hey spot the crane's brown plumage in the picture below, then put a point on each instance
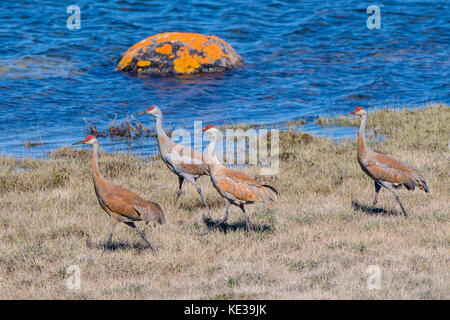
(121, 204)
(384, 168)
(235, 187)
(188, 164)
(239, 187)
(385, 171)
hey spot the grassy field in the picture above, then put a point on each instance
(320, 243)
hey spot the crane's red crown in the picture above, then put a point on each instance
(209, 126)
(150, 108)
(358, 109)
(88, 138)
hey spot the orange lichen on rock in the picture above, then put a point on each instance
(143, 63)
(201, 59)
(195, 40)
(185, 63)
(164, 49)
(125, 61)
(128, 56)
(179, 53)
(213, 51)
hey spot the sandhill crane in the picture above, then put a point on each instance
(121, 204)
(235, 187)
(385, 172)
(188, 164)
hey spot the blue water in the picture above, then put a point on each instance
(302, 59)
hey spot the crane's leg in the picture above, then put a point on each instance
(377, 189)
(194, 183)
(247, 218)
(225, 219)
(131, 224)
(389, 187)
(398, 200)
(112, 226)
(180, 181)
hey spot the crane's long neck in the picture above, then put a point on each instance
(362, 135)
(163, 139)
(212, 158)
(95, 171)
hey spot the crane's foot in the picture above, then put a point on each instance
(148, 243)
(106, 247)
(109, 244)
(208, 215)
(177, 197)
(400, 203)
(247, 226)
(247, 219)
(131, 224)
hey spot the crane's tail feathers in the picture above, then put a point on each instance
(423, 185)
(271, 194)
(419, 180)
(271, 188)
(159, 214)
(151, 212)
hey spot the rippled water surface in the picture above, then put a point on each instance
(302, 59)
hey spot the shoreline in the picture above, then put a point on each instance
(337, 127)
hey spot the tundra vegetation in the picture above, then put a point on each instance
(320, 242)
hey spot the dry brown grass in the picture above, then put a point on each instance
(319, 243)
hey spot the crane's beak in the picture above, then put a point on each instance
(141, 112)
(349, 114)
(79, 142)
